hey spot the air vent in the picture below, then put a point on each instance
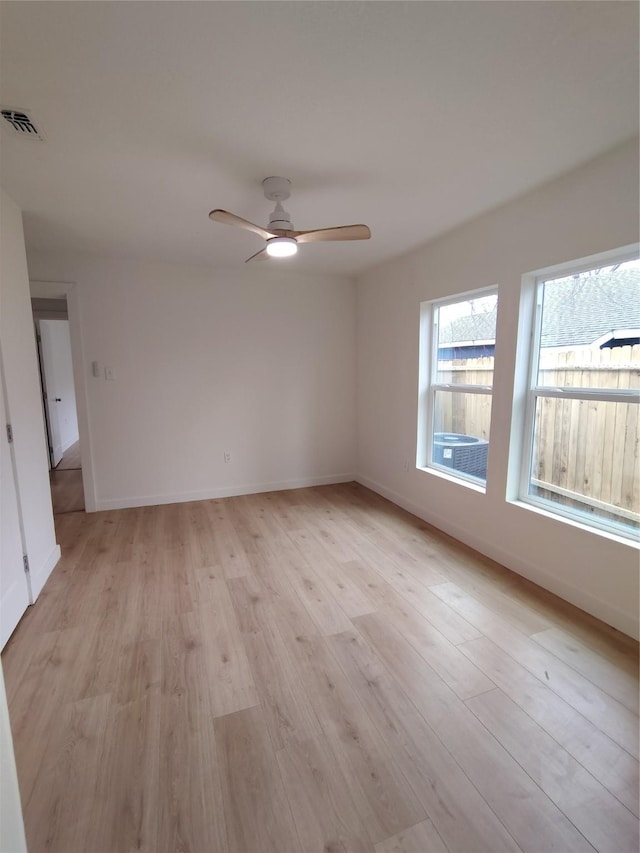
(20, 123)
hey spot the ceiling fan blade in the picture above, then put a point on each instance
(262, 255)
(231, 219)
(342, 232)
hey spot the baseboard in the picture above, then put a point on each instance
(593, 605)
(38, 574)
(221, 492)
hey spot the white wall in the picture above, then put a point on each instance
(590, 210)
(255, 361)
(62, 372)
(19, 356)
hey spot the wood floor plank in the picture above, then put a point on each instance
(71, 458)
(257, 812)
(455, 628)
(123, 795)
(415, 592)
(321, 800)
(248, 523)
(201, 544)
(600, 817)
(67, 490)
(603, 710)
(322, 606)
(190, 808)
(462, 817)
(288, 712)
(312, 670)
(351, 598)
(381, 792)
(430, 641)
(40, 698)
(531, 817)
(620, 681)
(128, 532)
(229, 673)
(608, 762)
(421, 838)
(443, 657)
(590, 631)
(140, 605)
(231, 555)
(60, 824)
(502, 601)
(139, 671)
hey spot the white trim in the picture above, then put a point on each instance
(532, 283)
(40, 574)
(428, 386)
(221, 492)
(603, 395)
(460, 479)
(612, 615)
(533, 362)
(602, 259)
(456, 344)
(14, 468)
(465, 296)
(424, 440)
(56, 289)
(463, 389)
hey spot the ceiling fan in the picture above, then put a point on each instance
(281, 237)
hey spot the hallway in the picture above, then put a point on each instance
(67, 492)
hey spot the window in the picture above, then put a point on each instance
(582, 424)
(457, 345)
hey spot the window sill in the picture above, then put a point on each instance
(630, 540)
(451, 478)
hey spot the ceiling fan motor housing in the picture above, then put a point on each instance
(278, 189)
(280, 220)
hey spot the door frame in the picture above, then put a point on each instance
(13, 474)
(53, 290)
(43, 394)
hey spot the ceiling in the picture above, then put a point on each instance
(410, 117)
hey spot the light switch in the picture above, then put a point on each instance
(110, 373)
(95, 369)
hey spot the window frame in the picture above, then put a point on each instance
(429, 386)
(534, 391)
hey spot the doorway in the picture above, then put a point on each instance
(59, 410)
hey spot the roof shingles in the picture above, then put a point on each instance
(578, 310)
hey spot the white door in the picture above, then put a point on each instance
(52, 398)
(14, 590)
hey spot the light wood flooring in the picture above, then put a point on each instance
(67, 490)
(71, 458)
(313, 670)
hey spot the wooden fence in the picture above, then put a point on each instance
(584, 451)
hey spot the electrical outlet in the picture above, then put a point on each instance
(227, 456)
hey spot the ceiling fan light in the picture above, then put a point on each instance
(281, 247)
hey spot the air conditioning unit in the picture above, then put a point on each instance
(464, 453)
